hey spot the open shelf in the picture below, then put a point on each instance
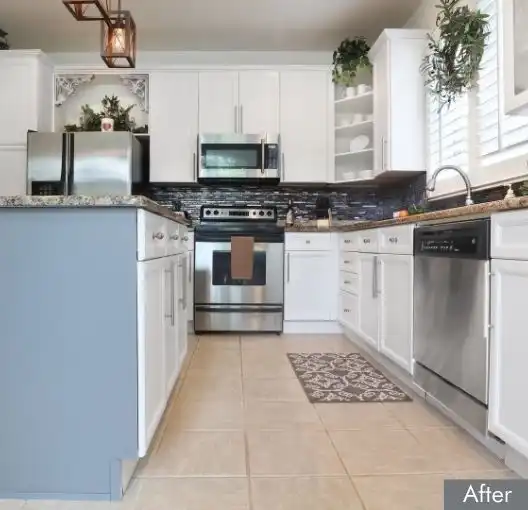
(352, 130)
(362, 103)
(352, 154)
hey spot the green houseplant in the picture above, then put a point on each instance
(348, 59)
(453, 61)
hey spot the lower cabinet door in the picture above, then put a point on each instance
(170, 317)
(508, 413)
(396, 308)
(368, 298)
(151, 350)
(309, 286)
(349, 310)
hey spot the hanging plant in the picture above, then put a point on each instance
(90, 120)
(349, 58)
(452, 65)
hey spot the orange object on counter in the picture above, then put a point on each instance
(403, 214)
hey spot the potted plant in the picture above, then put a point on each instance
(4, 45)
(348, 59)
(451, 67)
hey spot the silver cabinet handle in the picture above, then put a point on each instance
(346, 261)
(347, 282)
(283, 167)
(185, 238)
(382, 153)
(194, 166)
(174, 237)
(375, 276)
(170, 272)
(190, 266)
(366, 240)
(393, 239)
(288, 267)
(346, 310)
(308, 241)
(236, 119)
(241, 115)
(158, 235)
(347, 241)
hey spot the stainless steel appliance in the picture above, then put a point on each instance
(239, 158)
(226, 304)
(451, 316)
(82, 163)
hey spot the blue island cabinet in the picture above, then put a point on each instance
(91, 345)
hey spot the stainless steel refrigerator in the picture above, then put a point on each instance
(91, 164)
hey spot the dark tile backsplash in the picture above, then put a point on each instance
(352, 203)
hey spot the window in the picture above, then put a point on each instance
(496, 131)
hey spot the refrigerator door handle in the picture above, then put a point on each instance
(70, 149)
(64, 162)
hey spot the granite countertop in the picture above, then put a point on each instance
(509, 204)
(77, 201)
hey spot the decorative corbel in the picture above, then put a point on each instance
(66, 85)
(138, 85)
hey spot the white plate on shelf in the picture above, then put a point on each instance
(359, 143)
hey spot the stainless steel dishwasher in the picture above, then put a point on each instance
(451, 316)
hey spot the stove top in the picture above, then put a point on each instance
(238, 214)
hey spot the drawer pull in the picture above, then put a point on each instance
(174, 237)
(185, 238)
(347, 282)
(346, 261)
(347, 241)
(366, 240)
(393, 239)
(346, 310)
(158, 235)
(307, 241)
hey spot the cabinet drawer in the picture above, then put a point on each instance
(349, 241)
(349, 262)
(349, 310)
(368, 241)
(398, 240)
(174, 238)
(509, 235)
(349, 282)
(152, 235)
(308, 242)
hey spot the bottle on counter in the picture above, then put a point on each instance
(290, 214)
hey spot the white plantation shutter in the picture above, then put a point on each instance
(496, 131)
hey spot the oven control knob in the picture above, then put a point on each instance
(208, 212)
(269, 213)
(216, 212)
(261, 213)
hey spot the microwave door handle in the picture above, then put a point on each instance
(262, 155)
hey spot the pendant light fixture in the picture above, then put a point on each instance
(89, 10)
(118, 39)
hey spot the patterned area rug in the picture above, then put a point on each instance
(333, 377)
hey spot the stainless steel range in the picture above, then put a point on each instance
(225, 302)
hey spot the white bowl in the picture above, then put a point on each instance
(350, 91)
(359, 143)
(363, 89)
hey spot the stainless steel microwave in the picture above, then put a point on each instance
(239, 159)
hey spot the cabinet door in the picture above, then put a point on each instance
(218, 96)
(183, 304)
(173, 125)
(170, 306)
(12, 171)
(304, 125)
(258, 102)
(396, 308)
(381, 109)
(508, 413)
(151, 356)
(309, 286)
(368, 298)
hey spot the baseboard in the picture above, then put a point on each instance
(319, 327)
(516, 462)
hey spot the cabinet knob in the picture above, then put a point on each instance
(174, 237)
(393, 239)
(307, 241)
(346, 261)
(158, 235)
(366, 240)
(347, 241)
(185, 238)
(347, 282)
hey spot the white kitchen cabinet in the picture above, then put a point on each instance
(508, 413)
(348, 314)
(368, 298)
(305, 122)
(26, 95)
(239, 102)
(514, 17)
(173, 126)
(509, 235)
(309, 289)
(258, 102)
(152, 388)
(13, 170)
(399, 101)
(396, 308)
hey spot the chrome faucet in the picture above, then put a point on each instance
(432, 183)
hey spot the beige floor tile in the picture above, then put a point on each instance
(418, 492)
(211, 388)
(283, 453)
(198, 454)
(277, 390)
(356, 416)
(453, 450)
(258, 365)
(281, 416)
(382, 451)
(332, 493)
(206, 415)
(218, 342)
(217, 363)
(74, 505)
(418, 414)
(193, 494)
(11, 504)
(318, 343)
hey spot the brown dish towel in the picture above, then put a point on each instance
(242, 257)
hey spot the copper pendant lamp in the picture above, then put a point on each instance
(118, 39)
(89, 10)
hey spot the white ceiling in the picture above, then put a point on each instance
(209, 24)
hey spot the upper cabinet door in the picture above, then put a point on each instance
(219, 109)
(399, 101)
(173, 125)
(304, 125)
(258, 102)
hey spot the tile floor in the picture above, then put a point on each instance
(240, 434)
